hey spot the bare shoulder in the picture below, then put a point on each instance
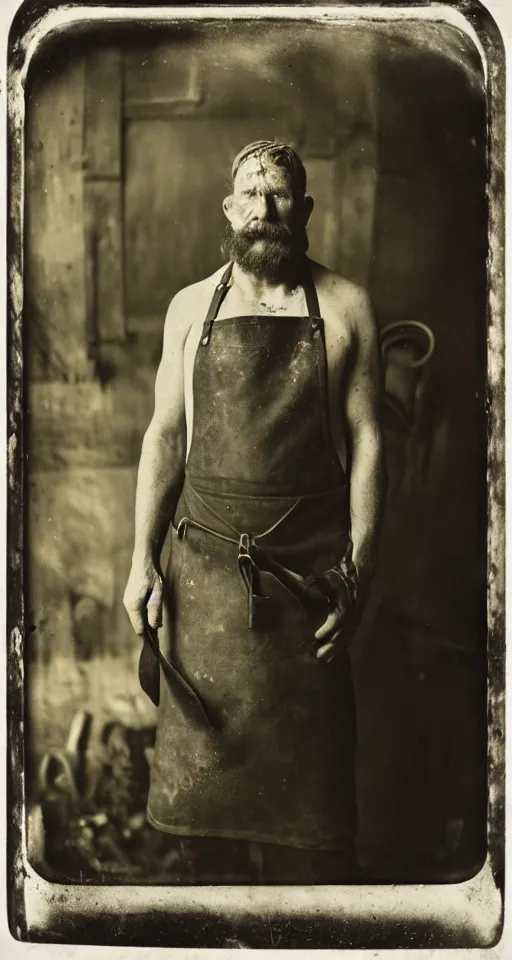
(343, 301)
(197, 292)
(191, 301)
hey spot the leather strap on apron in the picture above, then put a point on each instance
(218, 297)
(252, 560)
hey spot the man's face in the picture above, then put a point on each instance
(267, 221)
(262, 192)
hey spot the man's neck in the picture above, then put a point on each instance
(261, 289)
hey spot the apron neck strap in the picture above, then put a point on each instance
(310, 292)
(213, 309)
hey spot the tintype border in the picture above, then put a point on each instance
(364, 916)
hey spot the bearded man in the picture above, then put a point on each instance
(264, 455)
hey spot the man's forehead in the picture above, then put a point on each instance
(260, 168)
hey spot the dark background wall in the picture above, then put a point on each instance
(129, 144)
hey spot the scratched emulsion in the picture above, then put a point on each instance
(15, 604)
(92, 908)
(496, 459)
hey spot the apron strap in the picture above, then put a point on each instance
(218, 296)
(318, 336)
(311, 295)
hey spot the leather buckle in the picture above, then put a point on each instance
(181, 529)
(244, 545)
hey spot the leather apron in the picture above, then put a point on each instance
(270, 756)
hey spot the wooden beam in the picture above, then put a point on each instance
(169, 109)
(103, 113)
(55, 283)
(103, 199)
(103, 203)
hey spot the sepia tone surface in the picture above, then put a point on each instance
(128, 150)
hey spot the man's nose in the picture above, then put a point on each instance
(263, 207)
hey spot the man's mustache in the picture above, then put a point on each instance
(265, 231)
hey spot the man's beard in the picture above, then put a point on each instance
(268, 251)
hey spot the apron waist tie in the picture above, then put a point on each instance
(252, 561)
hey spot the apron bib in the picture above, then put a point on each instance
(264, 490)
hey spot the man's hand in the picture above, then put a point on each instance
(143, 596)
(341, 589)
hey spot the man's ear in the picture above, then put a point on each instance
(309, 203)
(226, 206)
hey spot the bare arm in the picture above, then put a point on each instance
(363, 415)
(363, 387)
(160, 474)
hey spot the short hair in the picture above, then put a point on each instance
(279, 153)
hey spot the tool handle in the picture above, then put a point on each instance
(309, 595)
